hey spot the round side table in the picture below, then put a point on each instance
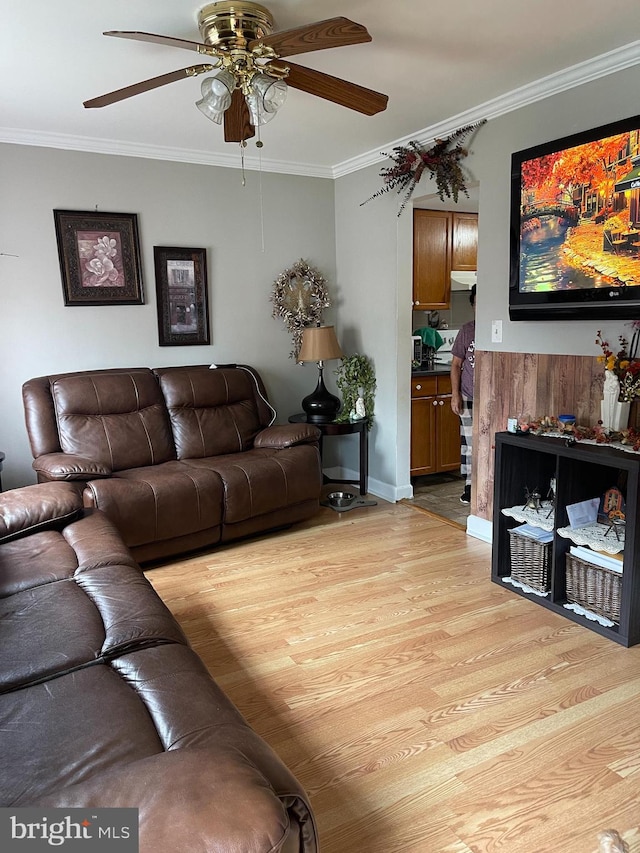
(349, 428)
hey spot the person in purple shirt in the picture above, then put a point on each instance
(462, 373)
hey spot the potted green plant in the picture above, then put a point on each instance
(356, 380)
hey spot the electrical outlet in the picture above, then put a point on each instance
(496, 331)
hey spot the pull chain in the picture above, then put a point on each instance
(259, 147)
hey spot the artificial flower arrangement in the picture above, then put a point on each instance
(598, 433)
(442, 160)
(623, 364)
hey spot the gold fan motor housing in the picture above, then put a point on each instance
(232, 25)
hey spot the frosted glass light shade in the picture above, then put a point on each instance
(267, 95)
(216, 95)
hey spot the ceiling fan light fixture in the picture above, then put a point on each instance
(247, 87)
(267, 94)
(216, 95)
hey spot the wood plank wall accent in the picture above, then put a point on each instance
(512, 384)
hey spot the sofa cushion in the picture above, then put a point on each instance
(41, 558)
(65, 605)
(212, 412)
(159, 502)
(75, 622)
(52, 555)
(262, 481)
(116, 418)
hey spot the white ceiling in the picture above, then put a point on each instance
(441, 63)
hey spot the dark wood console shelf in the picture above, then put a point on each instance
(581, 472)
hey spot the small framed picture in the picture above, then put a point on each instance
(181, 291)
(99, 257)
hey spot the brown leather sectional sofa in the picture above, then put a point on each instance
(178, 458)
(103, 703)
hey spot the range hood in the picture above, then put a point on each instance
(463, 279)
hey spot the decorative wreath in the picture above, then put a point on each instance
(299, 297)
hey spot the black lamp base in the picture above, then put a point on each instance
(321, 406)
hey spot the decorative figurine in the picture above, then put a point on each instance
(532, 499)
(617, 522)
(551, 497)
(360, 409)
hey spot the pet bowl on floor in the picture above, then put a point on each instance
(341, 498)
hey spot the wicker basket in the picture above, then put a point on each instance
(530, 561)
(593, 587)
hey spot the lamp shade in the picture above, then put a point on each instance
(265, 98)
(319, 343)
(216, 95)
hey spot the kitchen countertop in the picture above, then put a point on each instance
(438, 370)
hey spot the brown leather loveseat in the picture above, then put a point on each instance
(178, 458)
(103, 703)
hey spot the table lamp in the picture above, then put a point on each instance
(319, 344)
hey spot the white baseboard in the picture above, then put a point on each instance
(374, 487)
(480, 528)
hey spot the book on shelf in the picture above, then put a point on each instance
(613, 562)
(533, 532)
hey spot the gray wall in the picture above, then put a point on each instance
(374, 250)
(177, 205)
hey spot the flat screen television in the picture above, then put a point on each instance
(575, 227)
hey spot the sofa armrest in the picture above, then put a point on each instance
(67, 466)
(33, 508)
(287, 435)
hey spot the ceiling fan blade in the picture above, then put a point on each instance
(147, 85)
(237, 124)
(334, 32)
(205, 49)
(334, 89)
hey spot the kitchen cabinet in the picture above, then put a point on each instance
(464, 241)
(580, 472)
(435, 429)
(443, 240)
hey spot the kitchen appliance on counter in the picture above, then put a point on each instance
(416, 351)
(428, 358)
(424, 355)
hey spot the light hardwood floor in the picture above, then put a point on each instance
(423, 708)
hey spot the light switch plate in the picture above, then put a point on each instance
(496, 331)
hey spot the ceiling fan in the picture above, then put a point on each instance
(249, 82)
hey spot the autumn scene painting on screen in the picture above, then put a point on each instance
(580, 216)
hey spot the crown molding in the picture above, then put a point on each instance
(577, 75)
(90, 145)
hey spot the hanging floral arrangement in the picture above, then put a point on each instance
(442, 160)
